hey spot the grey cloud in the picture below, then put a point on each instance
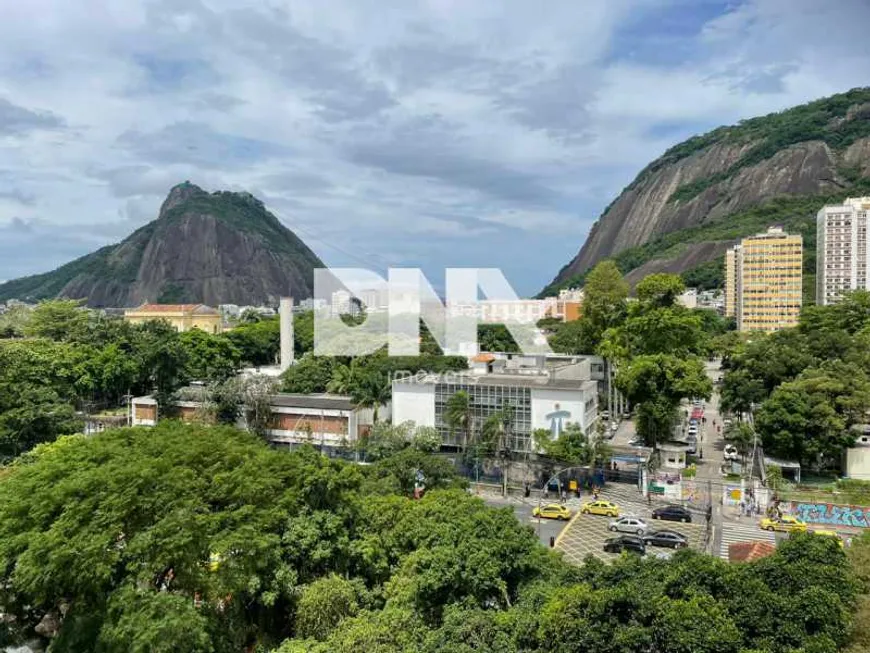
(18, 120)
(334, 81)
(199, 145)
(300, 181)
(452, 166)
(129, 181)
(19, 196)
(555, 102)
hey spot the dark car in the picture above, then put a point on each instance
(670, 539)
(672, 513)
(625, 543)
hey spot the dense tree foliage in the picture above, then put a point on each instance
(194, 538)
(809, 385)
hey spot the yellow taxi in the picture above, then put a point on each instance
(833, 534)
(552, 511)
(786, 524)
(600, 507)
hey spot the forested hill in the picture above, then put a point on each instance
(687, 207)
(204, 247)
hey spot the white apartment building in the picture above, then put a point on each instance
(545, 397)
(842, 249)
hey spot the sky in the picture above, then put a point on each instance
(413, 133)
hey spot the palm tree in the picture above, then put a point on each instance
(344, 378)
(372, 391)
(458, 415)
(495, 434)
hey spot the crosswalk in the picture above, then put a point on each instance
(748, 531)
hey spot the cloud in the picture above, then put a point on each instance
(413, 132)
(18, 120)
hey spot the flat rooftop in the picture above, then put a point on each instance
(543, 380)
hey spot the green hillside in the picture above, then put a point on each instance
(794, 214)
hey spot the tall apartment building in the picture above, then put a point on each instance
(842, 249)
(731, 281)
(766, 280)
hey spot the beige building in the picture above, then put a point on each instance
(731, 258)
(767, 281)
(183, 317)
(842, 249)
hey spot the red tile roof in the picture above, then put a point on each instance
(483, 358)
(749, 551)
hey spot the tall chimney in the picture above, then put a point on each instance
(286, 319)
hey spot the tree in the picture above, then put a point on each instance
(31, 414)
(323, 605)
(114, 532)
(256, 397)
(458, 415)
(740, 391)
(575, 337)
(14, 322)
(742, 436)
(495, 337)
(809, 419)
(58, 319)
(604, 296)
(258, 343)
(344, 378)
(209, 357)
(655, 384)
(310, 374)
(696, 625)
(660, 290)
(372, 391)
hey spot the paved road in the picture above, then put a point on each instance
(585, 534)
(523, 511)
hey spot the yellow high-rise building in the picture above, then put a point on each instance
(768, 281)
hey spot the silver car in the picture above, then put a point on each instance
(628, 524)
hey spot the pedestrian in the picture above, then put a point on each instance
(564, 496)
(742, 507)
(648, 498)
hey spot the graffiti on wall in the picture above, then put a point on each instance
(829, 513)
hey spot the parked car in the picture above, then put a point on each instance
(614, 426)
(552, 511)
(672, 513)
(730, 452)
(785, 524)
(666, 538)
(601, 507)
(625, 543)
(636, 443)
(628, 524)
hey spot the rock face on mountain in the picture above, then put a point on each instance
(819, 148)
(214, 248)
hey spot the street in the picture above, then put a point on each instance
(523, 510)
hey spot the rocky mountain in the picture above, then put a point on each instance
(685, 208)
(214, 248)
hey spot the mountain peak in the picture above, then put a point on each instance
(179, 194)
(214, 248)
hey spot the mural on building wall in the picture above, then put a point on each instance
(832, 514)
(557, 420)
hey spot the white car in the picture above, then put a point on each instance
(730, 452)
(628, 524)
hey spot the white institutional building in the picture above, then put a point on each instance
(544, 394)
(842, 249)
